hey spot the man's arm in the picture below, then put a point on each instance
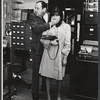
(36, 26)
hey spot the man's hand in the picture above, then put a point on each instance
(54, 42)
(54, 21)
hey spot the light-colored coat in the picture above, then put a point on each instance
(53, 68)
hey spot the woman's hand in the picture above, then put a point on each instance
(64, 61)
(54, 42)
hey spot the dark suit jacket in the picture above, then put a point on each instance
(38, 26)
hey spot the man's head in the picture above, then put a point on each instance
(40, 8)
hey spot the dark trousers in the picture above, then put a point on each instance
(35, 74)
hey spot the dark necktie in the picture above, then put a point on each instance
(43, 19)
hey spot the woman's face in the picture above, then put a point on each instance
(56, 16)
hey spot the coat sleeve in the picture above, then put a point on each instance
(36, 26)
(46, 43)
(67, 41)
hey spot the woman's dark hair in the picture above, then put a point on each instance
(44, 5)
(56, 10)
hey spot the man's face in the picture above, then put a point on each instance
(39, 11)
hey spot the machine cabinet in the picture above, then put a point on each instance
(84, 69)
(21, 39)
(84, 80)
(18, 35)
(7, 76)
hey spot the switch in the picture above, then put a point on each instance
(17, 37)
(17, 31)
(22, 43)
(22, 32)
(17, 25)
(14, 32)
(14, 43)
(17, 43)
(22, 38)
(31, 60)
(22, 26)
(13, 25)
(30, 38)
(14, 37)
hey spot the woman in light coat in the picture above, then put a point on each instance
(55, 69)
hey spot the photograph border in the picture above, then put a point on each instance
(1, 50)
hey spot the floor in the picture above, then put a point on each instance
(23, 93)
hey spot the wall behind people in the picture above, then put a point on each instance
(29, 4)
(7, 13)
(60, 3)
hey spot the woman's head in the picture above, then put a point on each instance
(58, 15)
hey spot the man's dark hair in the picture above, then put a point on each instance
(57, 10)
(44, 5)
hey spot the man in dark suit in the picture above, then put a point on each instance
(38, 26)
